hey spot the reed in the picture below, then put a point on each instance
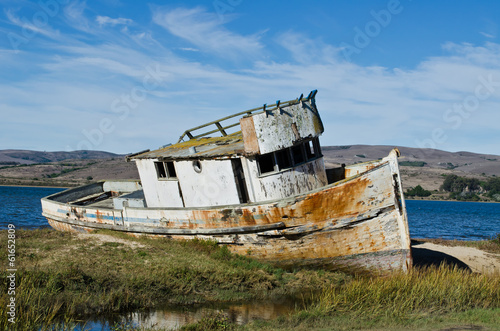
(32, 310)
(444, 295)
(433, 289)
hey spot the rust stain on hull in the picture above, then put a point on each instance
(334, 202)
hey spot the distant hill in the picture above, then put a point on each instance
(467, 162)
(62, 169)
(16, 156)
(425, 167)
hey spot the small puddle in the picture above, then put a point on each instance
(174, 317)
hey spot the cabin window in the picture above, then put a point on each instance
(310, 150)
(284, 160)
(298, 154)
(317, 147)
(266, 163)
(165, 170)
(289, 157)
(169, 165)
(160, 170)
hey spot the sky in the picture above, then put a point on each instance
(124, 76)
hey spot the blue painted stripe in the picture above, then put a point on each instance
(110, 218)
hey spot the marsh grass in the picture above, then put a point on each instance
(32, 310)
(421, 298)
(441, 289)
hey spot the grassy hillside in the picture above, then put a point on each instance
(68, 173)
(17, 157)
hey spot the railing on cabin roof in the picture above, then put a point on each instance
(222, 129)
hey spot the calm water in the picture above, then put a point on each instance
(427, 219)
(21, 206)
(453, 220)
(172, 317)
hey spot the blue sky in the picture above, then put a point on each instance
(124, 76)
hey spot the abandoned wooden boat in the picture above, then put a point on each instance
(262, 190)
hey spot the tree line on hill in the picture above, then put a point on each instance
(464, 189)
(417, 191)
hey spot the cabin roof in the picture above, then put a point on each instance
(201, 145)
(205, 147)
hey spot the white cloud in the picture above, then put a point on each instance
(42, 27)
(206, 31)
(75, 16)
(306, 50)
(103, 20)
(490, 29)
(370, 105)
(189, 49)
(487, 35)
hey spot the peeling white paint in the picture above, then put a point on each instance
(290, 182)
(281, 129)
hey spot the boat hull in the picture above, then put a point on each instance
(358, 224)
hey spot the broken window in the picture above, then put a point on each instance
(283, 158)
(310, 150)
(160, 170)
(169, 165)
(165, 170)
(289, 157)
(298, 154)
(317, 147)
(266, 163)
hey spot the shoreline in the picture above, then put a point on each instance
(475, 256)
